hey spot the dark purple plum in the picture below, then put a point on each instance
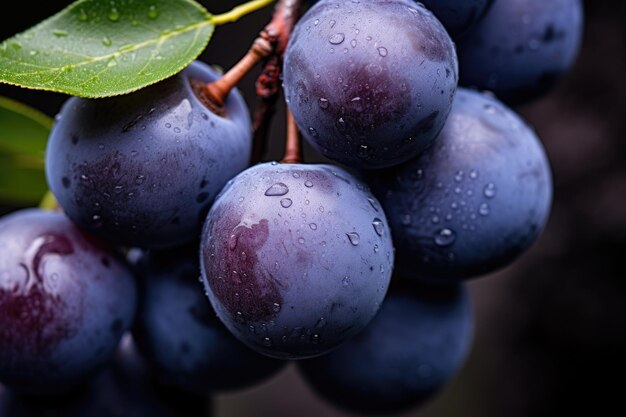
(65, 301)
(124, 389)
(474, 201)
(178, 331)
(370, 83)
(458, 16)
(521, 48)
(142, 169)
(409, 352)
(296, 258)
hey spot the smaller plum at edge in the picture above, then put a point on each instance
(458, 16)
(409, 352)
(65, 301)
(126, 388)
(521, 48)
(180, 335)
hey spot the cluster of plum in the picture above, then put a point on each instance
(296, 259)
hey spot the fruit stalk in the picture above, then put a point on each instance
(217, 91)
(293, 148)
(271, 42)
(278, 32)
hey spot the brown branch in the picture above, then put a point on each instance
(217, 91)
(293, 146)
(269, 47)
(277, 33)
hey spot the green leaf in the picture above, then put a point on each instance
(23, 137)
(98, 48)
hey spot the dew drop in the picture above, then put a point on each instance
(313, 226)
(277, 190)
(483, 210)
(315, 339)
(382, 51)
(354, 238)
(337, 38)
(323, 103)
(60, 33)
(379, 227)
(114, 15)
(82, 16)
(490, 190)
(286, 202)
(345, 281)
(106, 41)
(267, 342)
(372, 203)
(308, 184)
(153, 12)
(445, 237)
(276, 307)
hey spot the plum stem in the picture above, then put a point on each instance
(270, 45)
(293, 146)
(277, 32)
(217, 91)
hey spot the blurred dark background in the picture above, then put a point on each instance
(550, 332)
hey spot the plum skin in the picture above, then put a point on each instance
(458, 16)
(362, 94)
(296, 258)
(142, 169)
(409, 352)
(521, 48)
(65, 301)
(125, 388)
(178, 332)
(474, 201)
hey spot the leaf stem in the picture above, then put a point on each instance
(293, 146)
(239, 12)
